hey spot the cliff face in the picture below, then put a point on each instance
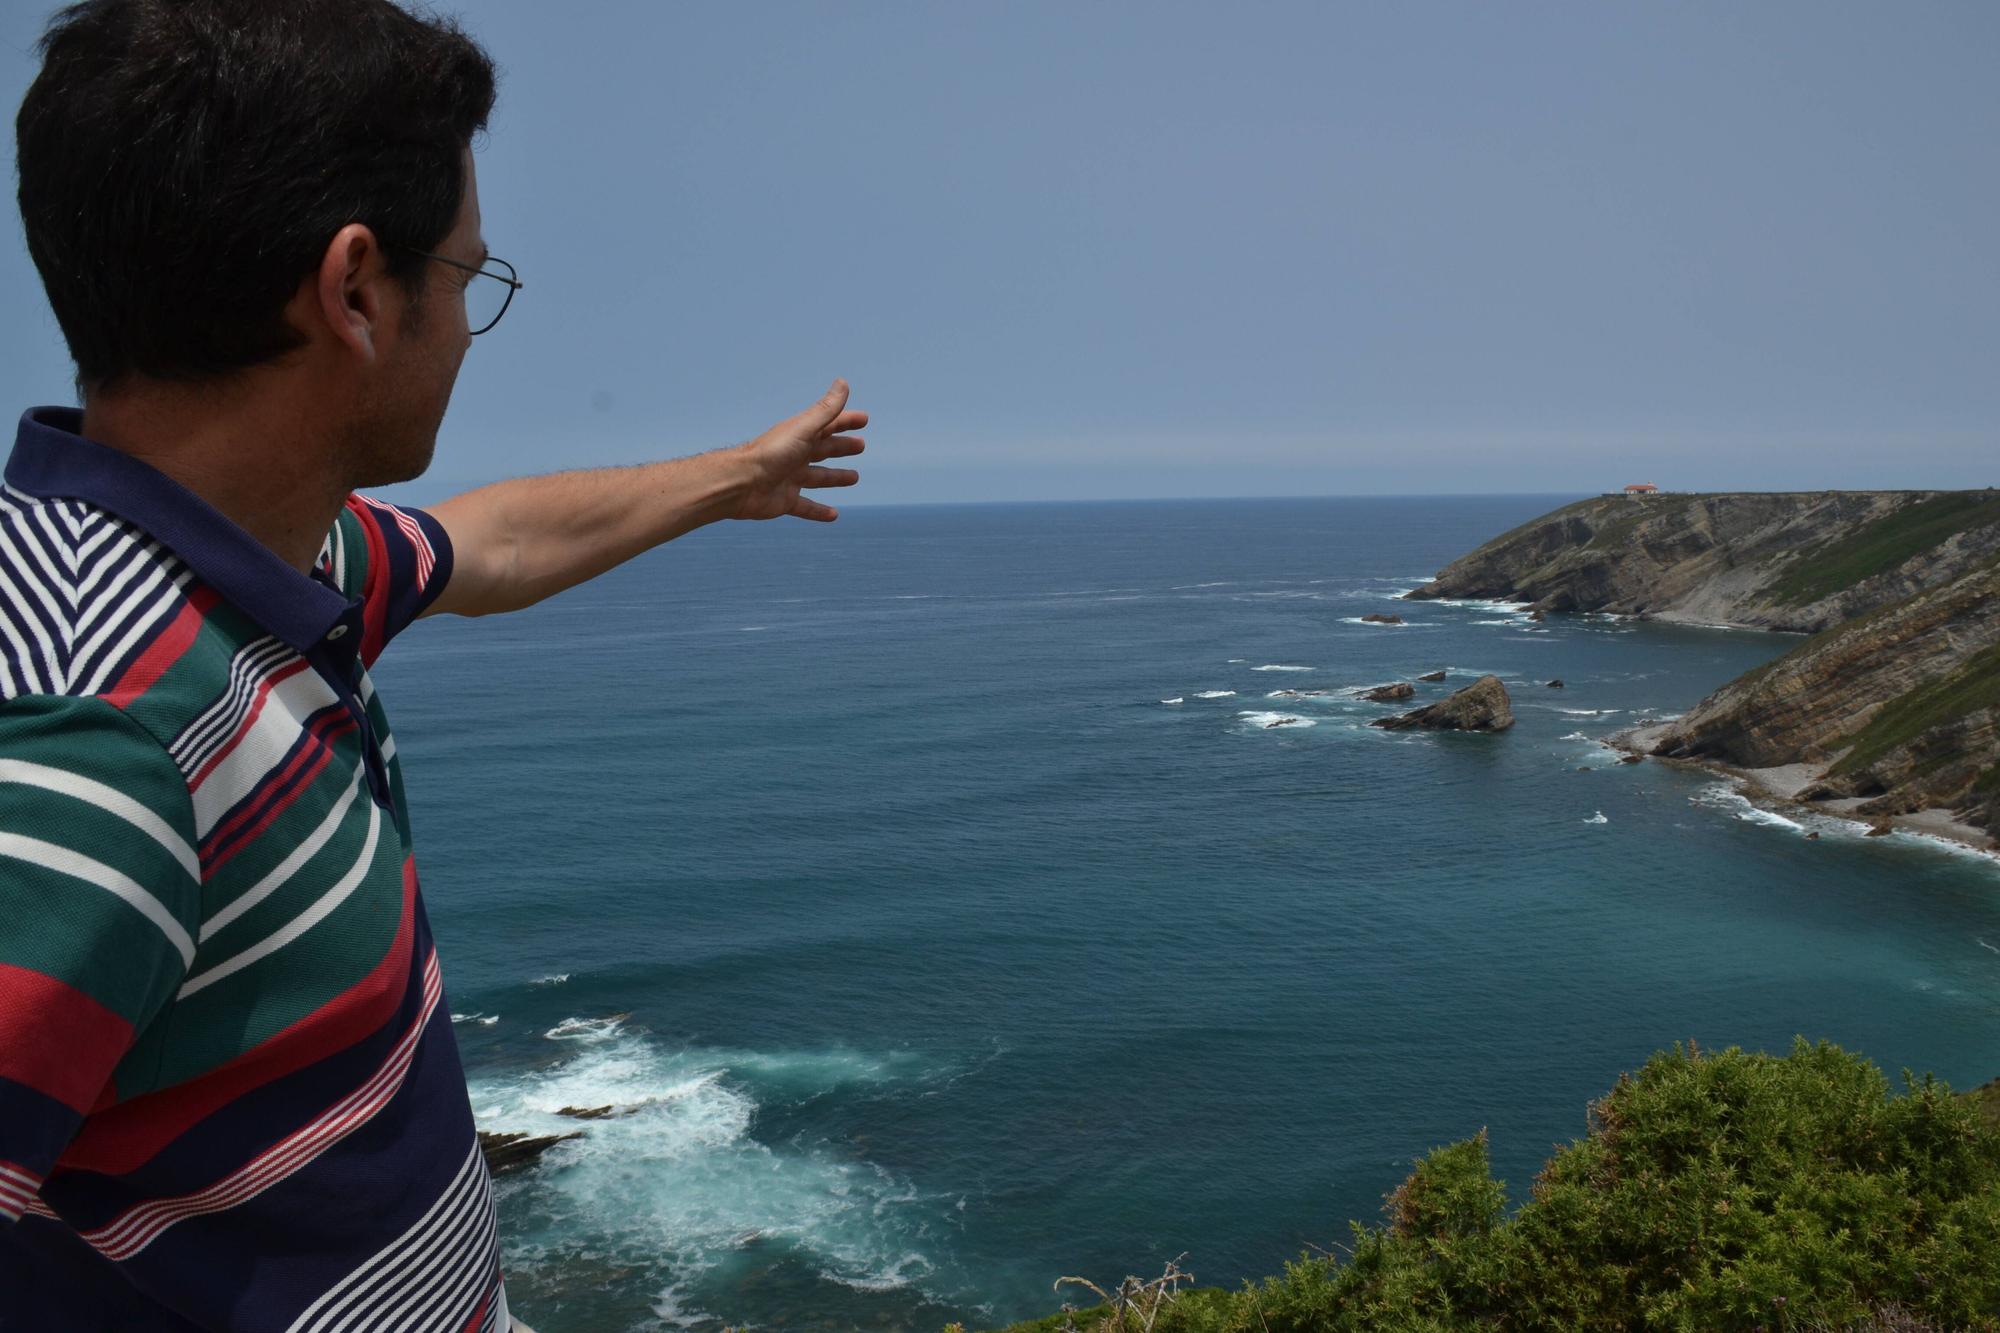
(1900, 707)
(1801, 561)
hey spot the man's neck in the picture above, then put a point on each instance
(251, 455)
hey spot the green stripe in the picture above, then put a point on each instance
(250, 1006)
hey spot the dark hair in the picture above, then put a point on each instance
(183, 164)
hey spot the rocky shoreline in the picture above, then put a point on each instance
(1889, 714)
(1779, 789)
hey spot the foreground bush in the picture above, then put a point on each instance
(1731, 1191)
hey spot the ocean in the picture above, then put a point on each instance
(932, 899)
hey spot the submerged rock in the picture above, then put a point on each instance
(1390, 693)
(1556, 684)
(1377, 618)
(1432, 676)
(1480, 706)
(508, 1152)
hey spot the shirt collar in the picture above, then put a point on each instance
(53, 460)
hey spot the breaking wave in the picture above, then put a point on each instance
(1270, 720)
(676, 1181)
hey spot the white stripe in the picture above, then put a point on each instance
(78, 866)
(288, 867)
(106, 798)
(301, 923)
(339, 540)
(218, 722)
(56, 551)
(132, 1232)
(109, 660)
(102, 533)
(387, 1252)
(146, 590)
(48, 665)
(257, 752)
(11, 1172)
(51, 592)
(388, 748)
(464, 1269)
(392, 1297)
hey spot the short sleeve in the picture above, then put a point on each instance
(396, 559)
(100, 901)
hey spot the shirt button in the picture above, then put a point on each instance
(337, 632)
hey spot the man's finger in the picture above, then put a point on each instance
(840, 446)
(818, 478)
(822, 414)
(853, 419)
(814, 510)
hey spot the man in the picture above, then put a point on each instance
(229, 1093)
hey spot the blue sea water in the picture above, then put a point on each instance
(933, 893)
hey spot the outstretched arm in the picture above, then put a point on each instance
(516, 542)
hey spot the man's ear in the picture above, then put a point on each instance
(351, 290)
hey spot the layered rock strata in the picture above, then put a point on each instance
(1802, 561)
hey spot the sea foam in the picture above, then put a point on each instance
(681, 1184)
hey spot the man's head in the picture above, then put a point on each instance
(218, 188)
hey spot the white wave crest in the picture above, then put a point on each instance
(1725, 798)
(1215, 694)
(1270, 720)
(1175, 700)
(1597, 818)
(587, 1029)
(552, 979)
(484, 1020)
(680, 1183)
(1277, 666)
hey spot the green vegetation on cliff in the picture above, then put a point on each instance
(1876, 548)
(1972, 688)
(1712, 1192)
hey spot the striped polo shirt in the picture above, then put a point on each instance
(229, 1094)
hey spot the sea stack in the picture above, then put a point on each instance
(1480, 706)
(1391, 693)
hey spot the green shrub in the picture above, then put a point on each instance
(1712, 1192)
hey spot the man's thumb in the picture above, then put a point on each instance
(830, 404)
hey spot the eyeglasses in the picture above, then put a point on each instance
(480, 297)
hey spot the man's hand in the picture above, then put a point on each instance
(786, 459)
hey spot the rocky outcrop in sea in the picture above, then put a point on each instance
(1480, 706)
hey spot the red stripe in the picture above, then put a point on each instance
(165, 650)
(215, 854)
(141, 1225)
(375, 585)
(127, 1136)
(56, 1039)
(478, 1316)
(264, 689)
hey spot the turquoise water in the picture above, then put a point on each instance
(941, 957)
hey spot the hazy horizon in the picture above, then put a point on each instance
(1076, 253)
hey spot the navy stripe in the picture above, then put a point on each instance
(241, 1129)
(38, 1126)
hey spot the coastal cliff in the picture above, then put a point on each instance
(1890, 711)
(1803, 561)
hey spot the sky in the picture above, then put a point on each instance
(1129, 250)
